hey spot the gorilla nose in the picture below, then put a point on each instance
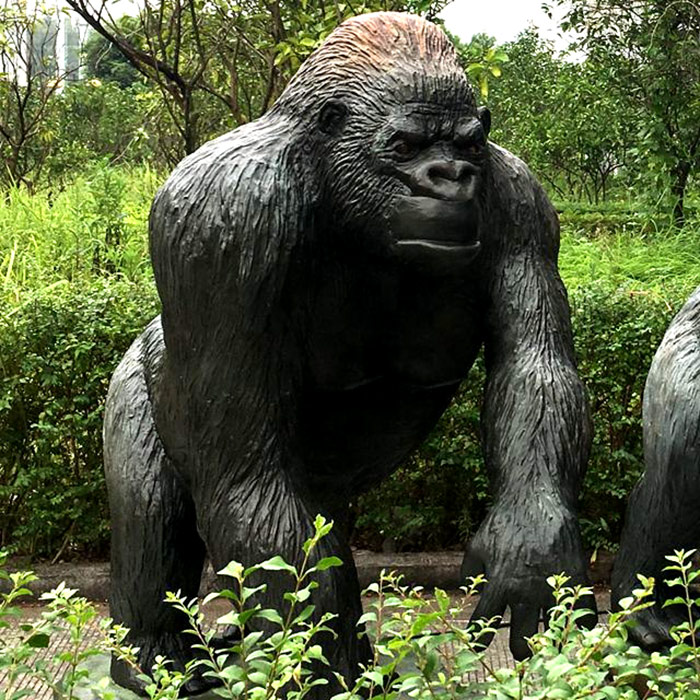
(446, 179)
(447, 170)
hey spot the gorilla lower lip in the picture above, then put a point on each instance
(438, 246)
(437, 224)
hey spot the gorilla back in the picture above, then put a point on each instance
(327, 277)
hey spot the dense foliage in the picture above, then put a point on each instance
(612, 132)
(76, 289)
(422, 647)
(647, 52)
(617, 119)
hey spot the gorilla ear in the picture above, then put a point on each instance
(485, 118)
(332, 117)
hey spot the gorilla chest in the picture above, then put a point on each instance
(422, 336)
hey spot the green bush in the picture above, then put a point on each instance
(616, 335)
(58, 349)
(422, 647)
(99, 121)
(437, 499)
(76, 289)
(441, 495)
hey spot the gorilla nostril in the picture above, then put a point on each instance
(464, 170)
(445, 170)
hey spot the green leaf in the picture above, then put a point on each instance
(327, 563)
(430, 664)
(278, 564)
(233, 569)
(374, 676)
(271, 615)
(305, 614)
(39, 641)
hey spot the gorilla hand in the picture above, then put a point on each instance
(517, 549)
(651, 628)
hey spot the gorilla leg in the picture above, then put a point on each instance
(663, 510)
(155, 545)
(264, 516)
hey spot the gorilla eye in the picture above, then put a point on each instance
(470, 150)
(402, 149)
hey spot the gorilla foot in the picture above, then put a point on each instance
(175, 650)
(198, 685)
(230, 636)
(651, 628)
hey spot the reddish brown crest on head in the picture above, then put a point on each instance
(382, 52)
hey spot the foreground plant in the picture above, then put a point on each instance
(27, 659)
(423, 647)
(283, 659)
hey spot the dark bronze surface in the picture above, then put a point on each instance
(662, 515)
(328, 275)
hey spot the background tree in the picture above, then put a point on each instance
(651, 50)
(103, 60)
(221, 63)
(101, 122)
(523, 99)
(556, 114)
(482, 60)
(29, 81)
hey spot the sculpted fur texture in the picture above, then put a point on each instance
(662, 515)
(328, 275)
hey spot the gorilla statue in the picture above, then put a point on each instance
(662, 514)
(328, 275)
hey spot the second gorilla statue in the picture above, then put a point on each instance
(662, 515)
(328, 275)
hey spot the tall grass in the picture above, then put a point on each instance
(666, 263)
(98, 226)
(76, 288)
(94, 227)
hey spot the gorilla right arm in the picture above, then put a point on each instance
(535, 423)
(222, 232)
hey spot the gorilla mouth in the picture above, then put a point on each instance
(437, 245)
(436, 226)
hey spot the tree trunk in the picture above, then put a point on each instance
(189, 114)
(679, 173)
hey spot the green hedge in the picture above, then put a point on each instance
(59, 348)
(439, 498)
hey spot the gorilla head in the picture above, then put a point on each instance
(401, 141)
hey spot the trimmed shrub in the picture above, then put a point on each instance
(76, 289)
(616, 335)
(439, 498)
(58, 350)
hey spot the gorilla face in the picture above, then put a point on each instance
(439, 157)
(424, 165)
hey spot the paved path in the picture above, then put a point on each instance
(498, 655)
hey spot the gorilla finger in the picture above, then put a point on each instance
(472, 566)
(588, 604)
(200, 684)
(674, 614)
(491, 604)
(229, 636)
(650, 632)
(524, 621)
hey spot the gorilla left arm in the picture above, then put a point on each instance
(535, 423)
